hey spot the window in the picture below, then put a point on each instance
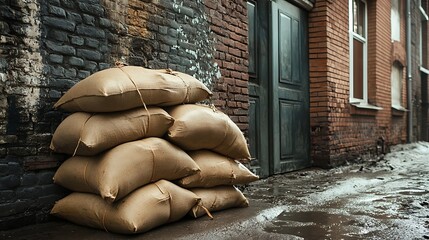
(358, 51)
(395, 20)
(396, 81)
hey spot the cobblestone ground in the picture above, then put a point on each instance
(387, 198)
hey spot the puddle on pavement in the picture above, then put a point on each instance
(312, 225)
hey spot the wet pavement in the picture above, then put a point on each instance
(384, 198)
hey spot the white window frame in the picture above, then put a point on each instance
(352, 36)
(397, 26)
(396, 103)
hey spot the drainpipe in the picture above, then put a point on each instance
(409, 76)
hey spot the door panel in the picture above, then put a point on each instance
(258, 87)
(289, 88)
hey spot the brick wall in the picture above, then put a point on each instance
(48, 46)
(228, 21)
(341, 131)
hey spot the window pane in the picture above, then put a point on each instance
(355, 16)
(361, 22)
(359, 17)
(358, 61)
(396, 81)
(395, 20)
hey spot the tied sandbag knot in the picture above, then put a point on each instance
(188, 88)
(80, 135)
(200, 205)
(120, 65)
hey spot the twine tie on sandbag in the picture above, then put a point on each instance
(120, 65)
(80, 134)
(188, 88)
(233, 176)
(153, 163)
(205, 209)
(169, 200)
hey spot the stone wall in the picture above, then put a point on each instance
(48, 46)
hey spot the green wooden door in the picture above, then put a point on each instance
(289, 88)
(278, 87)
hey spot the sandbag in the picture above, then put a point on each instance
(201, 127)
(125, 168)
(89, 134)
(216, 199)
(115, 89)
(216, 170)
(146, 208)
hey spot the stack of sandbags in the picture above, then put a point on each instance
(121, 167)
(120, 163)
(216, 144)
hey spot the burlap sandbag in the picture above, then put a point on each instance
(201, 127)
(146, 208)
(216, 199)
(216, 170)
(125, 168)
(87, 134)
(115, 89)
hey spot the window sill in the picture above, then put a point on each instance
(364, 109)
(398, 111)
(424, 70)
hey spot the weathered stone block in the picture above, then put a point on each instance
(103, 66)
(74, 17)
(57, 71)
(75, 61)
(64, 49)
(90, 65)
(9, 182)
(168, 40)
(83, 74)
(57, 11)
(77, 40)
(55, 94)
(89, 54)
(95, 9)
(8, 12)
(71, 4)
(90, 31)
(54, 2)
(88, 19)
(104, 22)
(59, 23)
(70, 73)
(55, 58)
(91, 42)
(61, 84)
(186, 11)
